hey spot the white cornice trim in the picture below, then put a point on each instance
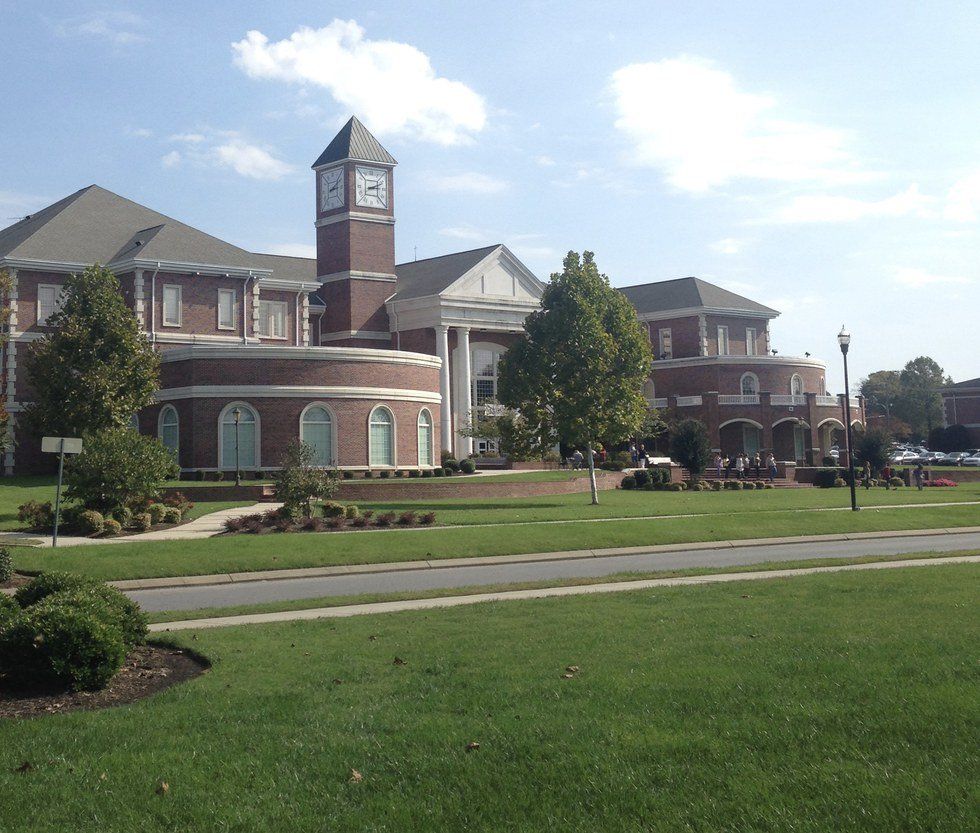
(760, 361)
(372, 335)
(288, 285)
(357, 216)
(692, 312)
(184, 267)
(326, 354)
(353, 274)
(34, 265)
(336, 162)
(297, 392)
(202, 338)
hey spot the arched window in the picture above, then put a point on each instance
(316, 430)
(244, 435)
(134, 423)
(750, 384)
(381, 437)
(168, 428)
(796, 385)
(649, 390)
(425, 438)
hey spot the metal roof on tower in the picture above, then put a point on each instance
(354, 141)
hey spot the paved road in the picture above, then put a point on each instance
(222, 595)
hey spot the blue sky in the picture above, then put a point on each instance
(825, 161)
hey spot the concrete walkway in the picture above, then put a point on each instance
(191, 592)
(540, 593)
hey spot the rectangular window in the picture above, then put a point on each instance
(723, 341)
(272, 319)
(171, 305)
(48, 301)
(226, 309)
(666, 344)
(750, 341)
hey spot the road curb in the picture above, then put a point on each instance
(491, 560)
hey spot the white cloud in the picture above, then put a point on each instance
(915, 277)
(250, 160)
(292, 249)
(825, 208)
(139, 132)
(545, 161)
(727, 246)
(463, 233)
(118, 27)
(391, 86)
(689, 119)
(466, 183)
(963, 199)
(187, 138)
(171, 160)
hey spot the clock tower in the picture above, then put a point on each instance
(355, 237)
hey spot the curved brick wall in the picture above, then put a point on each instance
(725, 376)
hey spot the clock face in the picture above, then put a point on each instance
(331, 189)
(371, 187)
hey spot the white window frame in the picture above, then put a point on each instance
(792, 385)
(180, 305)
(723, 337)
(750, 337)
(332, 453)
(741, 384)
(164, 411)
(224, 293)
(430, 428)
(264, 319)
(394, 439)
(42, 320)
(666, 344)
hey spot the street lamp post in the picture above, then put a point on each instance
(844, 340)
(237, 414)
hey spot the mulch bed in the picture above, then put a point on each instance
(147, 670)
(15, 581)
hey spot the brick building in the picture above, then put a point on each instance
(961, 406)
(377, 365)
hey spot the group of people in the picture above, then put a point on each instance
(638, 455)
(743, 466)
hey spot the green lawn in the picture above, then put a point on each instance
(276, 551)
(838, 702)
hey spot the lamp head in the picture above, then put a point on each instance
(843, 339)
(237, 414)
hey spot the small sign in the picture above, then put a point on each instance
(56, 445)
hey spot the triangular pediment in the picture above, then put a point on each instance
(500, 275)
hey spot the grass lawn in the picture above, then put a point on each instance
(275, 551)
(840, 702)
(633, 575)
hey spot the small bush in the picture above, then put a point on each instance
(407, 518)
(201, 475)
(769, 485)
(332, 509)
(467, 466)
(123, 515)
(89, 522)
(217, 476)
(427, 518)
(896, 482)
(255, 526)
(628, 482)
(676, 487)
(6, 565)
(347, 475)
(111, 528)
(642, 478)
(439, 472)
(717, 486)
(415, 473)
(828, 461)
(368, 513)
(385, 519)
(400, 473)
(368, 474)
(610, 465)
(172, 515)
(313, 524)
(427, 473)
(236, 524)
(450, 463)
(840, 482)
(825, 478)
(36, 516)
(351, 512)
(384, 474)
(142, 521)
(157, 512)
(359, 522)
(336, 522)
(940, 482)
(9, 610)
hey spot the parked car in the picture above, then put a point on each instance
(953, 458)
(904, 458)
(932, 458)
(973, 459)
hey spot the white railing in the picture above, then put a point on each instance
(855, 403)
(738, 399)
(781, 399)
(688, 401)
(659, 402)
(830, 401)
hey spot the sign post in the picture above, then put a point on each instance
(60, 446)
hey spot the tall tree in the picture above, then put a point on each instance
(691, 447)
(577, 374)
(95, 369)
(921, 404)
(882, 390)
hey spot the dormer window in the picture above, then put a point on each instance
(48, 301)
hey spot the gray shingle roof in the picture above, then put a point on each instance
(289, 267)
(354, 141)
(688, 293)
(421, 278)
(967, 383)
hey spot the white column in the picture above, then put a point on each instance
(465, 389)
(445, 410)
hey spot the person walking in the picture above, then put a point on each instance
(634, 454)
(757, 462)
(718, 464)
(641, 456)
(771, 465)
(917, 474)
(866, 475)
(729, 462)
(740, 466)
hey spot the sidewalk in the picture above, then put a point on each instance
(344, 611)
(483, 561)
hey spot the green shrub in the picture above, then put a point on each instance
(438, 472)
(89, 522)
(111, 527)
(384, 474)
(368, 474)
(839, 482)
(172, 515)
(427, 473)
(6, 565)
(201, 475)
(347, 475)
(675, 487)
(157, 512)
(415, 473)
(332, 509)
(300, 484)
(642, 478)
(611, 465)
(217, 476)
(824, 478)
(829, 461)
(36, 516)
(769, 485)
(351, 512)
(9, 610)
(628, 482)
(427, 518)
(400, 473)
(896, 482)
(65, 639)
(122, 514)
(450, 463)
(385, 519)
(123, 612)
(407, 518)
(467, 466)
(142, 521)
